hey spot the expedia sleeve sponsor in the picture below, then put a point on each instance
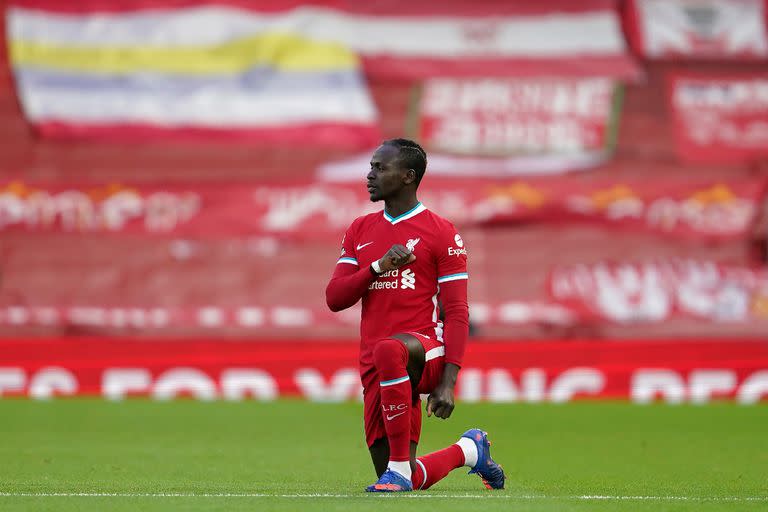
(459, 249)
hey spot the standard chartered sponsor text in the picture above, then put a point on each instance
(383, 285)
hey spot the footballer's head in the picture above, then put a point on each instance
(396, 166)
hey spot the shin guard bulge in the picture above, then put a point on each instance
(390, 356)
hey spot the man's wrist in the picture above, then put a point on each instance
(450, 374)
(376, 268)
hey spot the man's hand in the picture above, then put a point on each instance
(441, 400)
(395, 258)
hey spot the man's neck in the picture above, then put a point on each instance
(397, 207)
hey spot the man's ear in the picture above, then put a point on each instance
(410, 176)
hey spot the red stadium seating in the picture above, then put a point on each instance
(507, 264)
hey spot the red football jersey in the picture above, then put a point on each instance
(404, 300)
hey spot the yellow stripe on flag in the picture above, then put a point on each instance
(286, 52)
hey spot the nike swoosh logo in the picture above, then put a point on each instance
(394, 415)
(364, 245)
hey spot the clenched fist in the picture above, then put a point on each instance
(395, 258)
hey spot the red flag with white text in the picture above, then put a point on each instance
(655, 291)
(720, 117)
(674, 206)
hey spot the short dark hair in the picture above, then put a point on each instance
(411, 155)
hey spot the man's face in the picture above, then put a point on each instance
(386, 177)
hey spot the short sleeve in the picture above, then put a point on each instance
(452, 256)
(348, 252)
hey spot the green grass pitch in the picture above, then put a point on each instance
(293, 455)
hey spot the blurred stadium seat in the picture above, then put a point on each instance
(183, 275)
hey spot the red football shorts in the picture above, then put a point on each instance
(430, 378)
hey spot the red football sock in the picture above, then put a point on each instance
(433, 467)
(390, 357)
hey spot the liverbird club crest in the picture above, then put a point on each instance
(412, 243)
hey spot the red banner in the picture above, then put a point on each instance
(659, 290)
(503, 117)
(704, 29)
(720, 118)
(641, 371)
(321, 211)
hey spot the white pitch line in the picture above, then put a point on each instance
(400, 495)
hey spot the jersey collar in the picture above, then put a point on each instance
(405, 216)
